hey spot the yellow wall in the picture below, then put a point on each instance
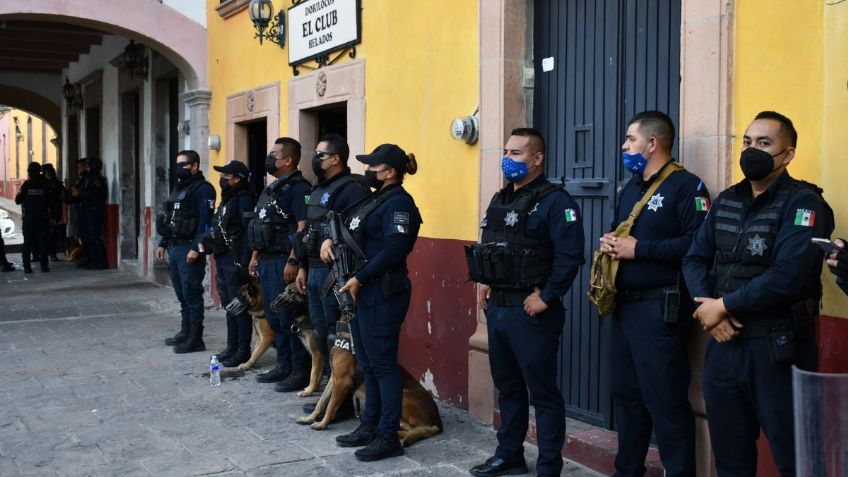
(35, 143)
(421, 72)
(790, 57)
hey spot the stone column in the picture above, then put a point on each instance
(198, 103)
(503, 31)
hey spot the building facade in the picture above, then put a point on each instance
(24, 138)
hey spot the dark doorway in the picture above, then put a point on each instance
(332, 120)
(173, 131)
(73, 146)
(257, 151)
(92, 132)
(611, 59)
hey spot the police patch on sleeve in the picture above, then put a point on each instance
(401, 218)
(211, 203)
(570, 215)
(401, 229)
(702, 204)
(805, 217)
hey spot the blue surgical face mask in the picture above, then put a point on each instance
(634, 163)
(514, 171)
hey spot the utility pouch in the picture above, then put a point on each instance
(394, 281)
(782, 347)
(671, 310)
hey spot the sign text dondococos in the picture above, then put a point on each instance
(321, 26)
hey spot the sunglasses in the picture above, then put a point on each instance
(184, 164)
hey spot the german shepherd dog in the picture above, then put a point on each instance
(295, 304)
(250, 294)
(420, 416)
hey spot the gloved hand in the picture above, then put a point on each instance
(838, 261)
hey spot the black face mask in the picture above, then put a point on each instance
(372, 181)
(271, 165)
(183, 173)
(225, 184)
(316, 166)
(757, 164)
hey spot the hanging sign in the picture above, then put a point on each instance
(318, 27)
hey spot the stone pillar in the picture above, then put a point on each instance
(502, 43)
(198, 103)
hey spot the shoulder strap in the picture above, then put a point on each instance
(185, 193)
(623, 229)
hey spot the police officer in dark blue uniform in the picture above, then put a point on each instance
(89, 195)
(226, 241)
(384, 226)
(529, 253)
(187, 214)
(34, 199)
(650, 374)
(279, 214)
(757, 279)
(57, 230)
(336, 190)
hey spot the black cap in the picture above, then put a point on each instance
(389, 154)
(82, 160)
(34, 168)
(236, 168)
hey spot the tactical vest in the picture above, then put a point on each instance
(271, 229)
(36, 202)
(180, 222)
(506, 257)
(225, 233)
(744, 252)
(320, 202)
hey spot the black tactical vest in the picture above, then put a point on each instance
(35, 206)
(225, 233)
(354, 220)
(506, 257)
(319, 203)
(180, 217)
(744, 252)
(271, 228)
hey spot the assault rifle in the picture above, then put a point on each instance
(342, 268)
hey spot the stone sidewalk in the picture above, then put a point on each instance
(88, 388)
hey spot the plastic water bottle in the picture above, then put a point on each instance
(214, 371)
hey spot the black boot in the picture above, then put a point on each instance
(244, 332)
(193, 343)
(362, 436)
(240, 356)
(180, 336)
(383, 447)
(232, 342)
(274, 375)
(296, 381)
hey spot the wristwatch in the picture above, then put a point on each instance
(291, 261)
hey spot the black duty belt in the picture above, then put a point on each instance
(629, 296)
(510, 297)
(317, 262)
(180, 241)
(763, 328)
(271, 255)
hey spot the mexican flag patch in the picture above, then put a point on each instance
(702, 204)
(570, 215)
(804, 217)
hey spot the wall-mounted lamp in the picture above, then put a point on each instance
(214, 142)
(72, 94)
(466, 128)
(135, 60)
(261, 13)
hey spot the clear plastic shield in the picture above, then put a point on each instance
(821, 423)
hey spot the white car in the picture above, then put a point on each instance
(7, 226)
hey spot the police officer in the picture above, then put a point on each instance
(90, 194)
(226, 242)
(54, 186)
(186, 216)
(756, 278)
(336, 190)
(34, 200)
(650, 377)
(529, 253)
(279, 214)
(384, 226)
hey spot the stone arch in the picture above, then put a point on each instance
(173, 35)
(33, 103)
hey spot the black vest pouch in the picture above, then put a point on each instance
(782, 346)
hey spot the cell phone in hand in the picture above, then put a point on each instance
(828, 246)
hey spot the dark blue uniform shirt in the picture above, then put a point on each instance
(349, 194)
(663, 231)
(797, 262)
(549, 220)
(243, 204)
(202, 200)
(389, 236)
(293, 200)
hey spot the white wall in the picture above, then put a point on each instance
(193, 9)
